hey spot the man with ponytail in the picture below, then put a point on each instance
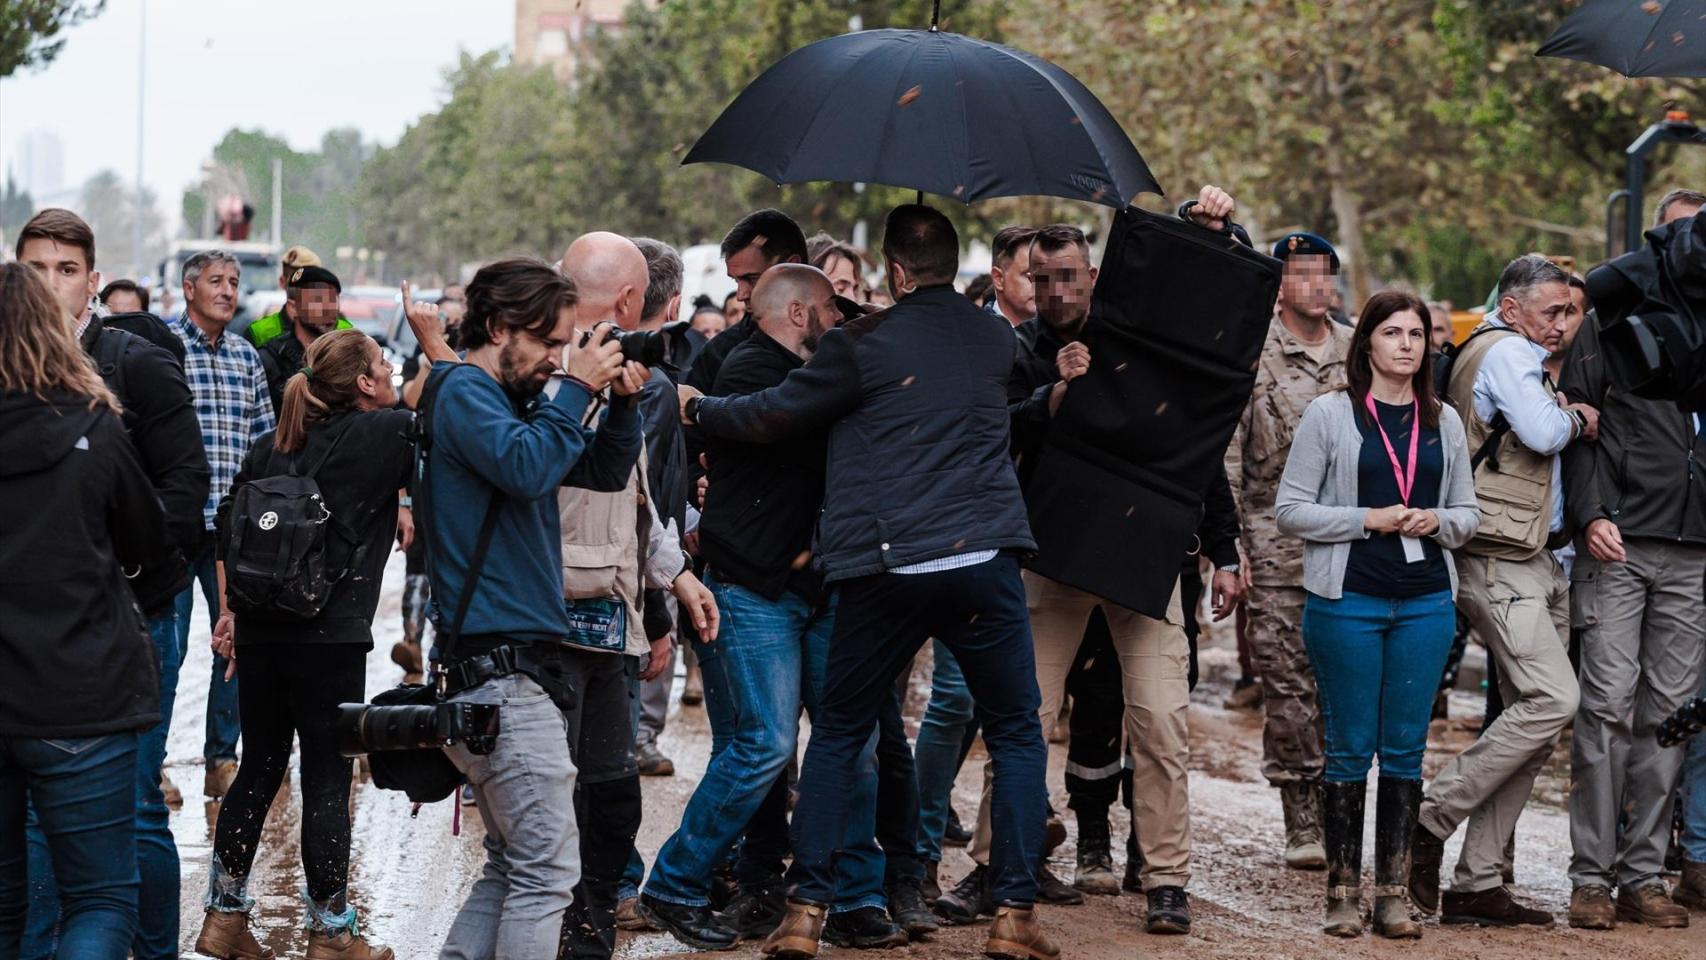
(336, 424)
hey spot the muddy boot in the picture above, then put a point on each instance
(1301, 800)
(908, 909)
(1691, 886)
(1395, 807)
(169, 791)
(226, 936)
(1591, 908)
(1016, 935)
(932, 886)
(347, 945)
(796, 937)
(969, 899)
(1343, 803)
(1095, 855)
(217, 782)
(1650, 904)
(1427, 854)
(693, 688)
(407, 654)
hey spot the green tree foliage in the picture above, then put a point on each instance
(319, 187)
(29, 30)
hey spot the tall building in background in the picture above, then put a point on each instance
(40, 164)
(558, 33)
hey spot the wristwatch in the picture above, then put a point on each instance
(1232, 568)
(692, 408)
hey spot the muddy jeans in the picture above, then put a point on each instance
(1292, 733)
(525, 792)
(1521, 610)
(1154, 660)
(1643, 641)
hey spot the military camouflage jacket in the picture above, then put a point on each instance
(1287, 378)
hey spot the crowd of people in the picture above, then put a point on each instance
(797, 489)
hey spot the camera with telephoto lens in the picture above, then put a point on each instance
(373, 728)
(645, 347)
(1681, 726)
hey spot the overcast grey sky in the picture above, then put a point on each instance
(295, 69)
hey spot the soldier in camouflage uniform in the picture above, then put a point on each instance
(1304, 357)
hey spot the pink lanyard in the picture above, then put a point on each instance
(1406, 475)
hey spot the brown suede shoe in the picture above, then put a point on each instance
(796, 937)
(1016, 935)
(217, 782)
(226, 936)
(344, 946)
(1591, 908)
(1651, 904)
(1691, 886)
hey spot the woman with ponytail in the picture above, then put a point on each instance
(337, 421)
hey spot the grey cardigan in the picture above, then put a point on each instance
(1318, 494)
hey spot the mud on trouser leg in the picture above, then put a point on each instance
(609, 815)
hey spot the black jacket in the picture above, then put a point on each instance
(916, 401)
(666, 453)
(1035, 373)
(1646, 472)
(282, 357)
(372, 461)
(159, 415)
(763, 500)
(76, 509)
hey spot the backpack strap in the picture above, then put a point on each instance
(482, 546)
(111, 344)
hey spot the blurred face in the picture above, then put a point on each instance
(1543, 313)
(1397, 347)
(1063, 279)
(213, 295)
(844, 278)
(709, 323)
(1014, 289)
(1441, 328)
(316, 309)
(1307, 287)
(745, 267)
(66, 270)
(526, 360)
(124, 301)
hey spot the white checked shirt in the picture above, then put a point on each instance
(231, 401)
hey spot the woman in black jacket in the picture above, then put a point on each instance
(337, 421)
(78, 679)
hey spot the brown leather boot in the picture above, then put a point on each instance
(1591, 908)
(344, 946)
(1016, 935)
(226, 936)
(1650, 904)
(796, 937)
(1691, 886)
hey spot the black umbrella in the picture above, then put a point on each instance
(1637, 38)
(930, 111)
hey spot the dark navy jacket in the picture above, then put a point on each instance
(915, 398)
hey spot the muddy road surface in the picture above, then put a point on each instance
(410, 873)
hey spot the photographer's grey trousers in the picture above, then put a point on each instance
(525, 789)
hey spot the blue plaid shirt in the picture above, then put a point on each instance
(231, 401)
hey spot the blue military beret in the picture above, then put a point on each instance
(1305, 243)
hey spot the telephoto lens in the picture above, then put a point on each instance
(364, 729)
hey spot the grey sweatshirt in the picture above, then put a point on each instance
(1317, 499)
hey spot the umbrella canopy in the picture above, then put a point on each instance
(931, 111)
(1637, 38)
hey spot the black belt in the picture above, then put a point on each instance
(469, 672)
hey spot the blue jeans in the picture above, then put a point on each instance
(1694, 797)
(1377, 664)
(981, 614)
(936, 754)
(156, 853)
(223, 724)
(83, 792)
(773, 657)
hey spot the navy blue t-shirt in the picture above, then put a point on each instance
(1377, 566)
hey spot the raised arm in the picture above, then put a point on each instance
(526, 459)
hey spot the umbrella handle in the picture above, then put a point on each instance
(935, 14)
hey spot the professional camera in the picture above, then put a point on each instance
(1679, 727)
(364, 728)
(1651, 305)
(647, 347)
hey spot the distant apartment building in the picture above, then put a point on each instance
(558, 33)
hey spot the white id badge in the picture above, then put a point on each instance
(1412, 549)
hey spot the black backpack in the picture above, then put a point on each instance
(277, 545)
(1444, 362)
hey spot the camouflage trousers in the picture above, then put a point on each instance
(1292, 734)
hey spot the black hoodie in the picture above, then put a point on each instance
(75, 505)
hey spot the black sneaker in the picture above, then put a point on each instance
(907, 908)
(699, 927)
(1169, 911)
(968, 900)
(756, 911)
(1489, 908)
(955, 834)
(867, 928)
(1051, 889)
